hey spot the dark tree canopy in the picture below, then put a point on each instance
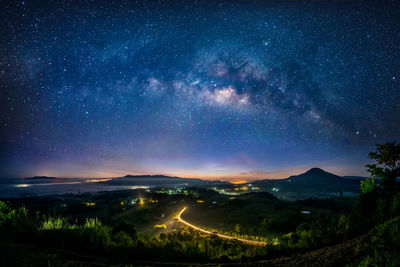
(387, 166)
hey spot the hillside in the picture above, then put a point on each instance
(316, 176)
(313, 183)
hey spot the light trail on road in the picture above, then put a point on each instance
(257, 243)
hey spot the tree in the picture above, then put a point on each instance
(387, 167)
(379, 203)
(367, 185)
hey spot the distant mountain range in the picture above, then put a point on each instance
(154, 180)
(40, 178)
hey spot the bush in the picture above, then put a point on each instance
(123, 239)
(126, 227)
(24, 224)
(6, 213)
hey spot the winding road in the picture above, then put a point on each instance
(250, 242)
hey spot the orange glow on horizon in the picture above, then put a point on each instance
(239, 182)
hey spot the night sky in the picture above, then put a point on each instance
(212, 89)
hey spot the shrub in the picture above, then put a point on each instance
(6, 213)
(123, 239)
(95, 234)
(23, 223)
(126, 227)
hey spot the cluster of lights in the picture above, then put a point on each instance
(245, 188)
(140, 201)
(176, 191)
(225, 192)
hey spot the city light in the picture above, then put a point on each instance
(239, 182)
(22, 185)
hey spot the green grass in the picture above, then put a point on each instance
(56, 223)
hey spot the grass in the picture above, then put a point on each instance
(56, 223)
(92, 223)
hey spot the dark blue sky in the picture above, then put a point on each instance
(231, 89)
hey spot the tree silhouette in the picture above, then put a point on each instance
(387, 167)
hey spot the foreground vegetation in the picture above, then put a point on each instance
(122, 233)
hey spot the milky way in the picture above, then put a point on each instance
(214, 89)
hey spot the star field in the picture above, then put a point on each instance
(213, 89)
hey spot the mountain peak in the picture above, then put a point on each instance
(314, 171)
(316, 176)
